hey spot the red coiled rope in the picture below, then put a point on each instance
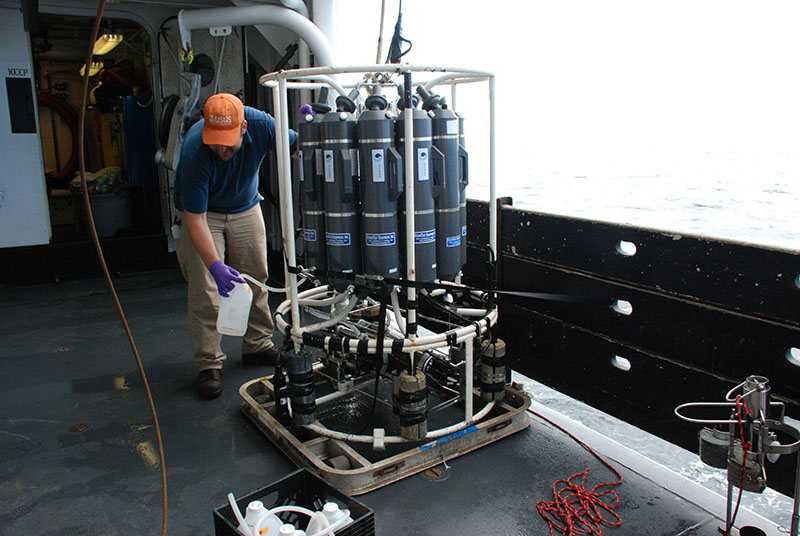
(577, 510)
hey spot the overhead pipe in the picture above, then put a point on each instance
(254, 15)
(304, 57)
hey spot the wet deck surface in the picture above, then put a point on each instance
(77, 447)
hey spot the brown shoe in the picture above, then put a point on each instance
(266, 357)
(209, 384)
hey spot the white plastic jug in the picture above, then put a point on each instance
(234, 311)
(259, 520)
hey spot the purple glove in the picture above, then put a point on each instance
(224, 276)
(304, 111)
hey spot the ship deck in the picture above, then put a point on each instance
(77, 445)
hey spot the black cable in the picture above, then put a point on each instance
(378, 354)
(395, 53)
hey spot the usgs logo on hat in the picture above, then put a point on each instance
(220, 120)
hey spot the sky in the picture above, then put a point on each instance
(697, 91)
(612, 74)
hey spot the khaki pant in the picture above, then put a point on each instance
(241, 243)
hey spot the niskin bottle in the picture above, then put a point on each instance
(311, 187)
(340, 172)
(425, 156)
(381, 186)
(444, 125)
(234, 311)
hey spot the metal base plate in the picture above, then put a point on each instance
(370, 469)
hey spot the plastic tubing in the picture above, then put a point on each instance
(332, 321)
(300, 510)
(333, 434)
(236, 511)
(267, 287)
(420, 344)
(278, 509)
(323, 302)
(330, 528)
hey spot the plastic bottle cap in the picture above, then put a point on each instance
(255, 506)
(330, 508)
(286, 529)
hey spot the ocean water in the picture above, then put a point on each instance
(751, 198)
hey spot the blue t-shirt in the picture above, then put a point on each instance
(206, 183)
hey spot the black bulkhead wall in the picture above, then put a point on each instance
(705, 314)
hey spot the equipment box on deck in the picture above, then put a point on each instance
(301, 488)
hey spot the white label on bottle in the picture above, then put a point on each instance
(327, 156)
(378, 166)
(452, 126)
(422, 163)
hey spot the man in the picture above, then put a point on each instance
(216, 191)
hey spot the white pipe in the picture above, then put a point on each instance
(456, 427)
(468, 364)
(465, 311)
(322, 80)
(324, 16)
(304, 58)
(285, 192)
(453, 79)
(396, 308)
(466, 74)
(254, 15)
(492, 171)
(296, 5)
(435, 434)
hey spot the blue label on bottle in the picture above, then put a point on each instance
(425, 237)
(453, 241)
(464, 230)
(310, 235)
(380, 239)
(337, 239)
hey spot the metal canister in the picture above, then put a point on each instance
(381, 186)
(413, 398)
(444, 128)
(340, 174)
(493, 371)
(311, 188)
(425, 191)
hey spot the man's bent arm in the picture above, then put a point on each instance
(201, 237)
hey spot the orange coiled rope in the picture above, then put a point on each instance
(575, 509)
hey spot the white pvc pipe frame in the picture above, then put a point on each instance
(452, 76)
(196, 19)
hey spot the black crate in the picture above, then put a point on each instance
(301, 488)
